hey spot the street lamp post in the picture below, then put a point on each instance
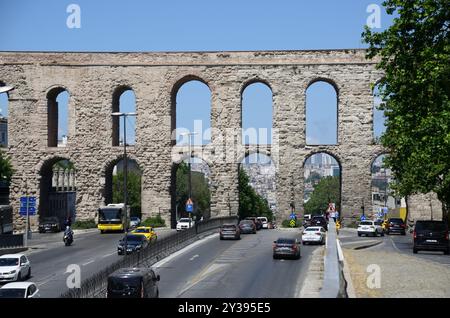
(189, 134)
(125, 170)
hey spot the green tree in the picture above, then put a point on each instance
(251, 203)
(327, 190)
(6, 169)
(133, 191)
(201, 195)
(414, 54)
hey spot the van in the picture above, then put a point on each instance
(133, 283)
(431, 236)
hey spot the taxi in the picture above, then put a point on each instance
(146, 231)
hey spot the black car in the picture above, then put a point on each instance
(133, 283)
(396, 225)
(319, 221)
(286, 247)
(49, 224)
(431, 235)
(135, 243)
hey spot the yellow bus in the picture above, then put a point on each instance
(113, 217)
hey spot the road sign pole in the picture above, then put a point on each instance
(28, 219)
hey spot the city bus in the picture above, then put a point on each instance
(113, 217)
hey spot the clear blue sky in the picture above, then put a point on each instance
(195, 25)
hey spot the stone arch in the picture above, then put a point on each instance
(52, 113)
(116, 94)
(248, 152)
(53, 201)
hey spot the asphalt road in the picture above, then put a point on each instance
(244, 268)
(49, 257)
(394, 243)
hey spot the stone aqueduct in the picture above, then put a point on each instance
(93, 78)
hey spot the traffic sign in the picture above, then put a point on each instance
(293, 216)
(363, 217)
(189, 206)
(27, 203)
(292, 223)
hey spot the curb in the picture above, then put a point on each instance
(350, 290)
(367, 246)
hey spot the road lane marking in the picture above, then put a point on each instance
(108, 254)
(89, 262)
(194, 257)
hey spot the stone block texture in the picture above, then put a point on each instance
(93, 78)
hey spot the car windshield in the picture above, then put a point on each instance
(9, 261)
(110, 214)
(229, 227)
(396, 220)
(366, 223)
(378, 222)
(246, 222)
(185, 220)
(133, 218)
(47, 220)
(312, 229)
(126, 284)
(285, 241)
(263, 219)
(142, 231)
(135, 238)
(12, 293)
(431, 226)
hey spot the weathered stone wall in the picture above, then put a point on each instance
(424, 207)
(92, 78)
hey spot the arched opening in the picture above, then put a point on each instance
(321, 114)
(257, 114)
(193, 113)
(322, 184)
(124, 101)
(257, 187)
(114, 185)
(58, 188)
(382, 196)
(57, 117)
(379, 120)
(4, 108)
(200, 189)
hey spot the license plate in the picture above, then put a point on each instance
(432, 241)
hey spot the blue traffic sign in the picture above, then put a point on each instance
(293, 216)
(189, 207)
(27, 203)
(363, 217)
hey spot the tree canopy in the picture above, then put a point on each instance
(133, 191)
(327, 190)
(414, 54)
(6, 169)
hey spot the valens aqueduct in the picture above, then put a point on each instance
(93, 79)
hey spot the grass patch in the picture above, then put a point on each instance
(156, 221)
(84, 224)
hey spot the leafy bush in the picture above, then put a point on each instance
(154, 222)
(84, 224)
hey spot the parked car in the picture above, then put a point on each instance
(264, 221)
(49, 224)
(247, 226)
(396, 225)
(134, 221)
(146, 231)
(19, 290)
(14, 267)
(286, 247)
(431, 235)
(230, 231)
(319, 221)
(135, 243)
(184, 224)
(314, 234)
(370, 228)
(258, 223)
(307, 218)
(133, 283)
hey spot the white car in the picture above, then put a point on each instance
(19, 290)
(134, 221)
(314, 234)
(14, 267)
(264, 221)
(185, 223)
(370, 228)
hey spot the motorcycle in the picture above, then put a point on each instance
(68, 236)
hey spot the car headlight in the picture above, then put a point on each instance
(11, 272)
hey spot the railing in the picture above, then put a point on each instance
(11, 240)
(95, 286)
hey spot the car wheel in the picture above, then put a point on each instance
(447, 251)
(102, 232)
(415, 250)
(304, 243)
(19, 277)
(359, 234)
(221, 238)
(29, 273)
(403, 233)
(382, 233)
(275, 256)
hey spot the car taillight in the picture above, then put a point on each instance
(414, 234)
(317, 233)
(294, 247)
(404, 226)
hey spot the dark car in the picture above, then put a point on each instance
(319, 221)
(258, 222)
(396, 225)
(286, 247)
(134, 242)
(49, 224)
(247, 226)
(431, 235)
(133, 283)
(230, 231)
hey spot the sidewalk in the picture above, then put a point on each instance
(401, 275)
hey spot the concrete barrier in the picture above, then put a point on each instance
(334, 284)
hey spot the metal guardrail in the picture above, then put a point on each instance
(95, 286)
(12, 240)
(334, 284)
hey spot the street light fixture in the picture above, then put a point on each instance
(125, 169)
(5, 89)
(189, 162)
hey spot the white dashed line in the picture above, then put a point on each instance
(89, 262)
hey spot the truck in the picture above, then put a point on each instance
(114, 217)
